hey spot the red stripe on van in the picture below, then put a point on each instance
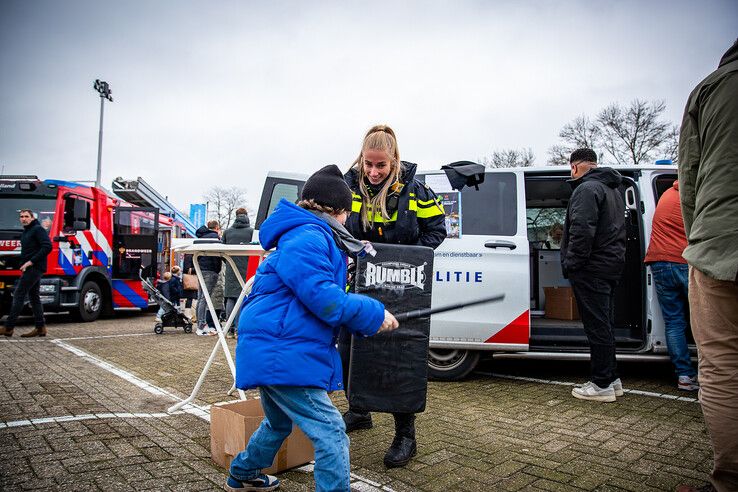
(518, 331)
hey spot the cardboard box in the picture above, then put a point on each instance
(560, 303)
(231, 426)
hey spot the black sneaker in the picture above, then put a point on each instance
(356, 421)
(261, 482)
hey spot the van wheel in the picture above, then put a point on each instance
(90, 302)
(451, 364)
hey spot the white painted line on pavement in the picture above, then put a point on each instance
(97, 337)
(75, 418)
(199, 411)
(652, 394)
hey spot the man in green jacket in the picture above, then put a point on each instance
(708, 180)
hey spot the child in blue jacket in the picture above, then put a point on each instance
(288, 329)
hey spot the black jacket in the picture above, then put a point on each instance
(594, 229)
(209, 263)
(35, 245)
(419, 220)
(239, 233)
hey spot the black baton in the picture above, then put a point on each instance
(419, 313)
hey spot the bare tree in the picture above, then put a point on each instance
(633, 134)
(509, 158)
(581, 132)
(223, 202)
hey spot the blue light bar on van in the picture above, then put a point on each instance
(664, 162)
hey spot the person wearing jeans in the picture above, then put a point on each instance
(210, 267)
(288, 330)
(313, 412)
(671, 277)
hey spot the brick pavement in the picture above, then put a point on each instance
(485, 433)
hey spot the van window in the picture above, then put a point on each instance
(493, 210)
(282, 190)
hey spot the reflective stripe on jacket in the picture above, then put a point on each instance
(418, 220)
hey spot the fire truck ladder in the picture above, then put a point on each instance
(141, 193)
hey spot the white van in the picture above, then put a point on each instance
(500, 242)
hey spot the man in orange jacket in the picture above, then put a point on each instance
(671, 276)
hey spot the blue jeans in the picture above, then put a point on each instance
(672, 288)
(313, 412)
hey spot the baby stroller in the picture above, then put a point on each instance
(172, 316)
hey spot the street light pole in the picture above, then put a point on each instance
(104, 89)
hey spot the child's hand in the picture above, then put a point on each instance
(389, 323)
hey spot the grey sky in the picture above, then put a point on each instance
(217, 93)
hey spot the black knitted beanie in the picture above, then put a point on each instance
(327, 187)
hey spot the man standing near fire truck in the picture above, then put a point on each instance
(35, 247)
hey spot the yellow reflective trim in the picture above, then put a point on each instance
(425, 203)
(355, 207)
(355, 196)
(427, 213)
(413, 205)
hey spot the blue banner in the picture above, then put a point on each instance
(197, 214)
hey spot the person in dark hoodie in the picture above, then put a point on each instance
(210, 266)
(35, 247)
(389, 206)
(708, 180)
(593, 258)
(239, 233)
(288, 330)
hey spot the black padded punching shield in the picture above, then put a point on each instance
(388, 372)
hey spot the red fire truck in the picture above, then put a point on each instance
(99, 245)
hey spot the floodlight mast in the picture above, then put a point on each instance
(103, 88)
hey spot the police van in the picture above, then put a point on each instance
(503, 237)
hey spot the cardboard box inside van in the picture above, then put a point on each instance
(233, 423)
(560, 303)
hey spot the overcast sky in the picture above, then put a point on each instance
(218, 93)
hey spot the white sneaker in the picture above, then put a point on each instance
(617, 386)
(157, 320)
(202, 332)
(592, 392)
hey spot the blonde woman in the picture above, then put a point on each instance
(390, 206)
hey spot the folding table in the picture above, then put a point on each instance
(227, 252)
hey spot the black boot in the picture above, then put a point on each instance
(356, 420)
(403, 446)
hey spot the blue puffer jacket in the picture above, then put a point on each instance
(289, 324)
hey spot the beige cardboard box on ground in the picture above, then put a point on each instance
(231, 426)
(560, 303)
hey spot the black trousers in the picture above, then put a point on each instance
(27, 285)
(404, 422)
(596, 301)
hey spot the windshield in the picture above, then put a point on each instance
(43, 210)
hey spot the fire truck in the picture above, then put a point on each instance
(100, 245)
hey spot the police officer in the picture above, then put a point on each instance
(390, 206)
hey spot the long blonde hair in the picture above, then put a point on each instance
(379, 137)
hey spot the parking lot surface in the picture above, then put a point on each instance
(85, 409)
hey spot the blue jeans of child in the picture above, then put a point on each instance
(313, 412)
(672, 288)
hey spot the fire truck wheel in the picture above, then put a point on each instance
(451, 364)
(90, 302)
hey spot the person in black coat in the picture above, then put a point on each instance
(593, 259)
(35, 247)
(210, 266)
(240, 232)
(389, 206)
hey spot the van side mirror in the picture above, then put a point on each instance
(79, 225)
(60, 239)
